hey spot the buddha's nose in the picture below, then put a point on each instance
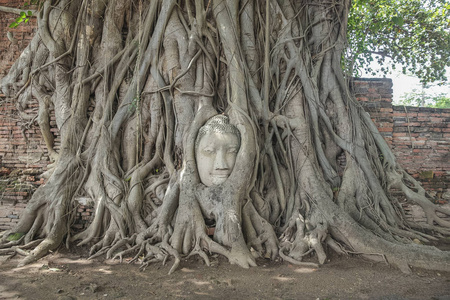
(220, 162)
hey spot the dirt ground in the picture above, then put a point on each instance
(68, 276)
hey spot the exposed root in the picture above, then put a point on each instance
(428, 207)
(8, 244)
(198, 251)
(157, 253)
(296, 262)
(303, 237)
(119, 244)
(11, 251)
(99, 253)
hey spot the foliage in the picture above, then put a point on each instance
(425, 99)
(441, 101)
(24, 16)
(412, 33)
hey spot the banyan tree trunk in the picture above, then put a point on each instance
(132, 85)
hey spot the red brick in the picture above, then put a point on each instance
(437, 120)
(395, 134)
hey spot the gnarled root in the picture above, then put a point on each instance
(259, 233)
(11, 251)
(346, 230)
(303, 237)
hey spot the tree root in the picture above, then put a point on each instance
(21, 250)
(7, 244)
(402, 255)
(158, 252)
(296, 262)
(428, 207)
(303, 237)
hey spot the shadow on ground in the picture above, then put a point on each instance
(69, 276)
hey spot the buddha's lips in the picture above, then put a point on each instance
(220, 175)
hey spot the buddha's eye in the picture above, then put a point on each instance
(208, 151)
(233, 150)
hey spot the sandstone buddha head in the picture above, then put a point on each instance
(216, 148)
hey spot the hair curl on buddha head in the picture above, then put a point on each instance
(218, 124)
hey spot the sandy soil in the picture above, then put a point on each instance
(67, 276)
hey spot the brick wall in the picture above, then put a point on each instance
(375, 94)
(20, 162)
(419, 137)
(421, 143)
(23, 158)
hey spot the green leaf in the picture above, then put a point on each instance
(13, 25)
(128, 179)
(413, 33)
(15, 236)
(30, 13)
(376, 26)
(19, 19)
(26, 20)
(23, 14)
(398, 20)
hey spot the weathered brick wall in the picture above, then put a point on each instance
(19, 163)
(23, 158)
(419, 137)
(375, 94)
(421, 143)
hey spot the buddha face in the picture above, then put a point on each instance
(216, 149)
